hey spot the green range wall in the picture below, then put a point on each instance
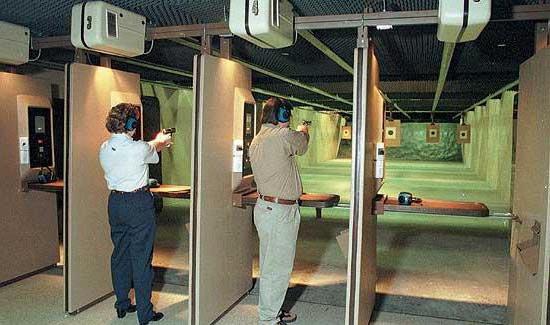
(325, 133)
(414, 146)
(175, 111)
(490, 153)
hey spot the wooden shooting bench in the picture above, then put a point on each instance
(428, 206)
(168, 191)
(310, 200)
(246, 194)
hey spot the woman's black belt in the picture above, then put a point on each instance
(141, 189)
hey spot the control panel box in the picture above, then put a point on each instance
(35, 137)
(102, 27)
(14, 44)
(462, 21)
(265, 23)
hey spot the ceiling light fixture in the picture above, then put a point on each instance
(501, 45)
(384, 27)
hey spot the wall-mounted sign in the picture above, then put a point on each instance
(392, 133)
(463, 134)
(432, 133)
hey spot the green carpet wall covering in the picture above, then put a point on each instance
(414, 146)
(324, 134)
(176, 106)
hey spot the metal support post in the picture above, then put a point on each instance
(79, 56)
(225, 47)
(206, 44)
(542, 35)
(105, 61)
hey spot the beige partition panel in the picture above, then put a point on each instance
(530, 243)
(91, 91)
(221, 235)
(28, 231)
(367, 131)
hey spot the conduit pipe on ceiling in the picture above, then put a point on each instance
(448, 51)
(308, 36)
(269, 73)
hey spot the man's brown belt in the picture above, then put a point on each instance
(277, 200)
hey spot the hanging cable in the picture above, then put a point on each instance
(38, 56)
(150, 48)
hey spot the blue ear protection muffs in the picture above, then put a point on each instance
(283, 113)
(131, 123)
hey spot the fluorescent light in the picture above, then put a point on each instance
(384, 27)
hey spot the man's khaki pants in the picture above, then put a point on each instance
(277, 226)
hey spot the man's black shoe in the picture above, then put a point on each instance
(121, 313)
(156, 317)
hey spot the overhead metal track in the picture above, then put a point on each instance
(407, 18)
(51, 42)
(493, 95)
(394, 18)
(308, 36)
(196, 30)
(299, 100)
(153, 66)
(448, 51)
(269, 73)
(394, 104)
(152, 33)
(61, 67)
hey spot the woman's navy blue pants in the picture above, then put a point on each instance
(132, 220)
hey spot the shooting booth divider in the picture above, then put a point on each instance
(530, 243)
(368, 120)
(91, 91)
(221, 247)
(28, 234)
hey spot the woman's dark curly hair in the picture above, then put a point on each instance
(116, 120)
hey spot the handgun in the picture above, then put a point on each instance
(169, 131)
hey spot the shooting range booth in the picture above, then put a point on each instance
(206, 243)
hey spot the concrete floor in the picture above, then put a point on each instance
(451, 267)
(440, 258)
(38, 300)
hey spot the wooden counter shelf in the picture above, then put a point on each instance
(168, 191)
(428, 206)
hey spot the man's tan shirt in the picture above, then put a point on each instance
(272, 154)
